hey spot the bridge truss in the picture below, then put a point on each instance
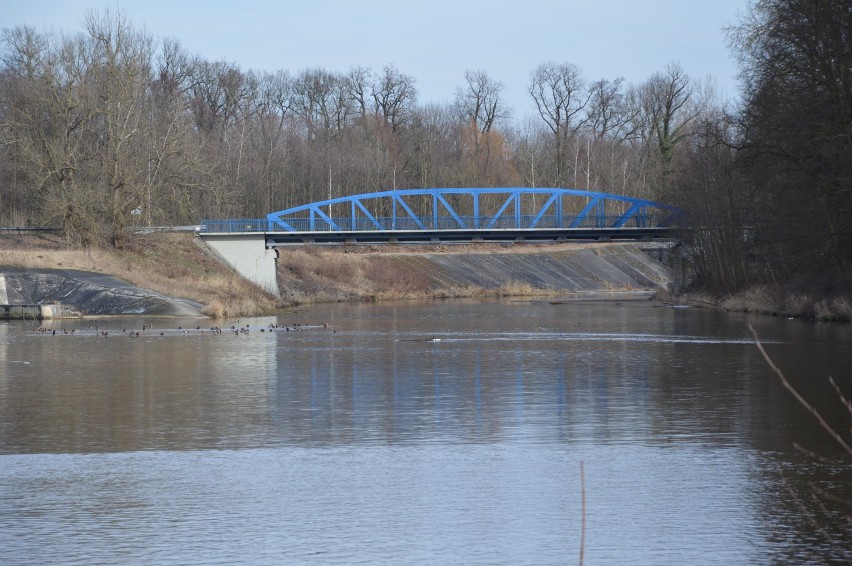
(463, 214)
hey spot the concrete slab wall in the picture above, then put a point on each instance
(597, 267)
(34, 312)
(249, 257)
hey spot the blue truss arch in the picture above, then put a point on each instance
(472, 209)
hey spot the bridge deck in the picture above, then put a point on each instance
(462, 236)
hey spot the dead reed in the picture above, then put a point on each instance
(763, 299)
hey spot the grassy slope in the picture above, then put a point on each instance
(176, 265)
(471, 270)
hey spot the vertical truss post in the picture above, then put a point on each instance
(600, 213)
(476, 210)
(517, 209)
(558, 206)
(434, 211)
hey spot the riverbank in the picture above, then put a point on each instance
(168, 265)
(791, 301)
(179, 266)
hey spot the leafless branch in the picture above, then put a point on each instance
(583, 527)
(810, 408)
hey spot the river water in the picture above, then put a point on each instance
(453, 432)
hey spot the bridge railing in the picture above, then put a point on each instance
(389, 224)
(230, 226)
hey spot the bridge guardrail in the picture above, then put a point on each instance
(389, 224)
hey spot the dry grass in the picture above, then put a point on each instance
(316, 274)
(389, 275)
(519, 289)
(767, 300)
(836, 308)
(799, 304)
(759, 299)
(313, 274)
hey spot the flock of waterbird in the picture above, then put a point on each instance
(236, 329)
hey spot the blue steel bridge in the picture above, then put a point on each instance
(459, 215)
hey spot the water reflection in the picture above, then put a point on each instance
(443, 432)
(451, 373)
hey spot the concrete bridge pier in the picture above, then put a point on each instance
(248, 255)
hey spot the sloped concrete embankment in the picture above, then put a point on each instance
(586, 270)
(91, 294)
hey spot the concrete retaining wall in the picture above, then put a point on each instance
(32, 312)
(591, 268)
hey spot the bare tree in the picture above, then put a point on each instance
(175, 161)
(479, 106)
(358, 83)
(121, 68)
(95, 125)
(720, 202)
(479, 102)
(667, 105)
(320, 99)
(796, 68)
(47, 99)
(607, 110)
(394, 96)
(218, 91)
(273, 110)
(560, 96)
(663, 109)
(528, 148)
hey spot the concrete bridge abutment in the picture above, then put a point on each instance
(248, 255)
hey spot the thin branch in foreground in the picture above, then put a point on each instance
(843, 400)
(810, 408)
(813, 455)
(834, 499)
(805, 510)
(583, 527)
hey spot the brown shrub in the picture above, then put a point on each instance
(758, 299)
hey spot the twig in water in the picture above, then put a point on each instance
(843, 400)
(798, 397)
(583, 525)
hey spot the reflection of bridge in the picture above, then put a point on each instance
(439, 215)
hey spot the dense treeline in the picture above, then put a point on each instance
(97, 125)
(108, 121)
(796, 124)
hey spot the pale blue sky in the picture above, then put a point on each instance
(434, 41)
